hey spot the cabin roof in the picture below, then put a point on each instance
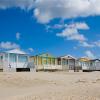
(68, 57)
(84, 59)
(16, 51)
(44, 55)
(95, 60)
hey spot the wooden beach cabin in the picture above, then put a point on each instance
(45, 61)
(94, 65)
(15, 60)
(84, 62)
(67, 62)
(89, 64)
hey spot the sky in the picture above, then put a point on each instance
(58, 27)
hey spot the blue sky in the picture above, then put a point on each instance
(36, 30)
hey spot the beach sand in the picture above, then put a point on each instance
(50, 86)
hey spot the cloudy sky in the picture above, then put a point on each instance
(59, 27)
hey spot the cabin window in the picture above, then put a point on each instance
(49, 60)
(12, 57)
(39, 60)
(44, 60)
(22, 58)
(64, 62)
(1, 58)
(35, 60)
(53, 61)
(59, 61)
(71, 62)
(6, 57)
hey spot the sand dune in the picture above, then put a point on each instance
(50, 86)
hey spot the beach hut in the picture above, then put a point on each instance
(15, 60)
(89, 64)
(67, 62)
(45, 61)
(84, 62)
(94, 65)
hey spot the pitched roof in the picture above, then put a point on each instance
(68, 57)
(84, 59)
(16, 51)
(45, 55)
(95, 60)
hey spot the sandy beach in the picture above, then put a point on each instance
(50, 86)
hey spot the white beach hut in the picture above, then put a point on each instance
(67, 62)
(16, 60)
(70, 61)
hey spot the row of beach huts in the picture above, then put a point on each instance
(18, 61)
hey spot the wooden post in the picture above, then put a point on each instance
(50, 61)
(8, 59)
(55, 61)
(41, 60)
(61, 61)
(36, 60)
(46, 60)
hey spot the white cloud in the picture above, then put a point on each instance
(59, 26)
(46, 10)
(71, 32)
(79, 25)
(91, 44)
(31, 49)
(23, 4)
(50, 28)
(8, 45)
(90, 54)
(86, 44)
(17, 35)
(97, 43)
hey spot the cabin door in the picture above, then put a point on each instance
(65, 64)
(12, 61)
(22, 61)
